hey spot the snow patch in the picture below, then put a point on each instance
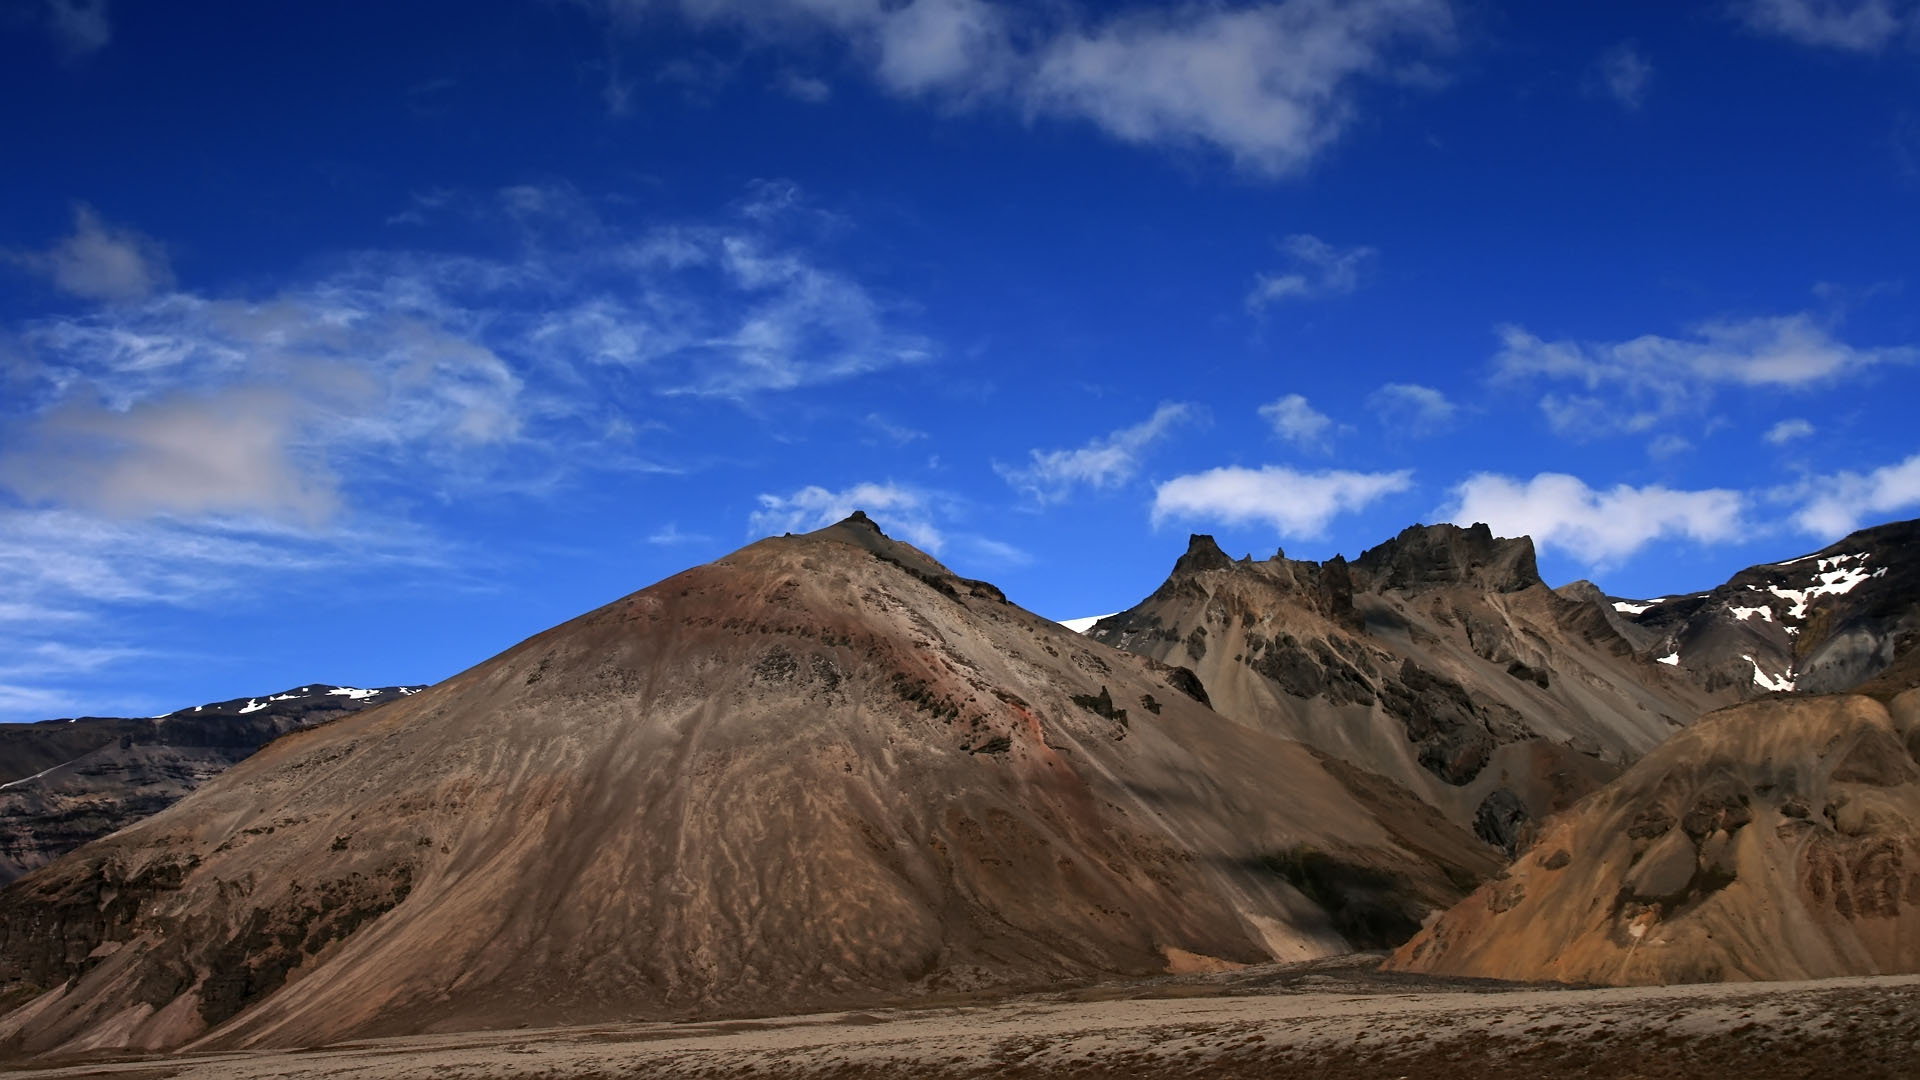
(1836, 582)
(1081, 626)
(31, 779)
(1632, 608)
(1784, 681)
(352, 692)
(1745, 613)
(252, 706)
(1672, 659)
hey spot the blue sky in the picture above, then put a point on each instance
(355, 343)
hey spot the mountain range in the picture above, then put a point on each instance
(65, 782)
(827, 771)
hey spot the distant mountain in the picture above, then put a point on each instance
(1439, 659)
(819, 772)
(1820, 623)
(66, 782)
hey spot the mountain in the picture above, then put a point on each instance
(66, 782)
(1778, 839)
(821, 771)
(1823, 622)
(1439, 659)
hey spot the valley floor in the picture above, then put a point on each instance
(1333, 1019)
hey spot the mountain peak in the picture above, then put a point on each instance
(1448, 554)
(1202, 554)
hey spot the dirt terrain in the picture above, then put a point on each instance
(1333, 1019)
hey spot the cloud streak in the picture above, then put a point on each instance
(1106, 462)
(1269, 85)
(1319, 269)
(1631, 386)
(1848, 25)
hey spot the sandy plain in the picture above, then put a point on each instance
(1335, 1019)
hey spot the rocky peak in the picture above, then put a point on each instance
(1202, 554)
(1450, 555)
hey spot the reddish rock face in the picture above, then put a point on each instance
(821, 771)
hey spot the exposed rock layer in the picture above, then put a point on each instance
(66, 782)
(1438, 658)
(1774, 840)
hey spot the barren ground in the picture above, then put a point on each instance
(1330, 1019)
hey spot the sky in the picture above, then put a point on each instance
(354, 343)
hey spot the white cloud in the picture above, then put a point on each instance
(1412, 409)
(670, 535)
(1834, 505)
(1786, 431)
(1295, 503)
(804, 88)
(1655, 378)
(98, 261)
(1624, 73)
(1268, 84)
(185, 405)
(98, 579)
(1297, 422)
(1851, 25)
(431, 371)
(1319, 269)
(79, 26)
(1597, 527)
(1051, 475)
(899, 510)
(1668, 445)
(64, 564)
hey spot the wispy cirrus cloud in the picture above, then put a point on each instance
(1787, 431)
(1624, 74)
(79, 26)
(1317, 269)
(1104, 462)
(1631, 386)
(1847, 25)
(1295, 503)
(473, 371)
(1269, 85)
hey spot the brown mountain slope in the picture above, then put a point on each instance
(821, 771)
(1439, 659)
(71, 781)
(1774, 840)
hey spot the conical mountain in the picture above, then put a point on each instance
(1439, 659)
(1778, 839)
(821, 771)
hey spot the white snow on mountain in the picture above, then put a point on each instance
(1081, 626)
